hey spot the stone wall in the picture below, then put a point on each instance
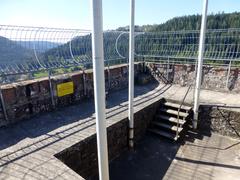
(28, 98)
(219, 120)
(214, 78)
(82, 157)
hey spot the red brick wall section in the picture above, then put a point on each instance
(28, 98)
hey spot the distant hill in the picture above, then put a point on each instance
(40, 46)
(217, 21)
(21, 52)
(13, 53)
(17, 52)
(193, 22)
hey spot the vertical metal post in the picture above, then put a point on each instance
(195, 77)
(99, 88)
(84, 83)
(51, 89)
(228, 74)
(144, 66)
(3, 102)
(168, 69)
(200, 63)
(131, 75)
(109, 76)
(196, 67)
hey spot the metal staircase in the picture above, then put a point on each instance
(171, 120)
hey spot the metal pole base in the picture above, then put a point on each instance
(195, 123)
(131, 144)
(195, 119)
(131, 138)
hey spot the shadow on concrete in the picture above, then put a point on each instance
(216, 148)
(117, 97)
(71, 117)
(207, 163)
(150, 160)
(156, 158)
(49, 121)
(36, 146)
(152, 157)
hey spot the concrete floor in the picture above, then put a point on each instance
(27, 148)
(198, 157)
(177, 92)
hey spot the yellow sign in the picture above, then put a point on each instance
(64, 89)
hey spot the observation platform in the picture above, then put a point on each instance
(199, 156)
(27, 148)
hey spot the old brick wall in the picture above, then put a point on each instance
(28, 98)
(214, 78)
(82, 157)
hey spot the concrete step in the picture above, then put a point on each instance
(174, 112)
(171, 119)
(167, 126)
(175, 105)
(164, 134)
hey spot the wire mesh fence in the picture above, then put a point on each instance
(35, 49)
(31, 49)
(222, 46)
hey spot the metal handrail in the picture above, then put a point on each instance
(180, 108)
(159, 74)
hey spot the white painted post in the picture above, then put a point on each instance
(131, 75)
(228, 74)
(3, 102)
(200, 63)
(99, 88)
(51, 88)
(168, 66)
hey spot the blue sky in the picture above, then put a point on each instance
(77, 14)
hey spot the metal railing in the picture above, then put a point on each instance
(182, 102)
(29, 50)
(221, 44)
(33, 49)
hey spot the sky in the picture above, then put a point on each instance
(77, 13)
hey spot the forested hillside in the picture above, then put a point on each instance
(192, 22)
(217, 21)
(12, 52)
(40, 47)
(155, 44)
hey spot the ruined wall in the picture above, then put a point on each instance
(214, 78)
(219, 120)
(82, 157)
(28, 98)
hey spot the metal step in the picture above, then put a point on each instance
(174, 112)
(175, 105)
(164, 134)
(171, 119)
(167, 126)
